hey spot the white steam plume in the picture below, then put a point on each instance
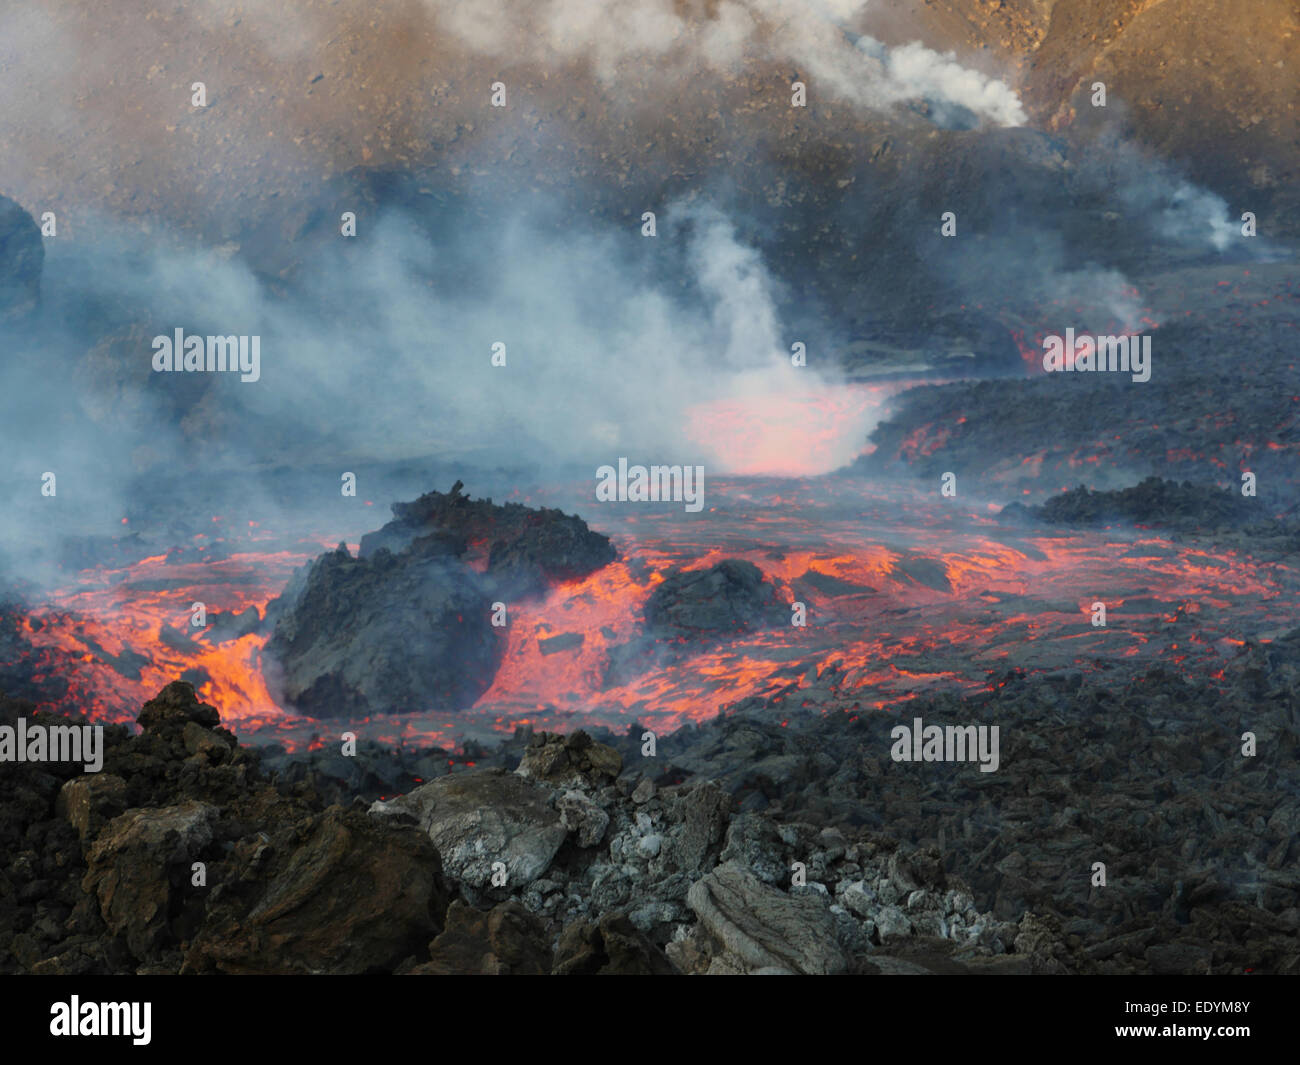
(617, 36)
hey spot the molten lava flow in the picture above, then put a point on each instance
(922, 598)
(117, 636)
(903, 593)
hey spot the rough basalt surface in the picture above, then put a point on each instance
(729, 597)
(407, 624)
(1153, 502)
(526, 546)
(483, 820)
(336, 892)
(384, 634)
(694, 609)
(773, 839)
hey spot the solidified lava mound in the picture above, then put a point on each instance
(729, 597)
(406, 625)
(387, 634)
(527, 547)
(693, 609)
(1154, 501)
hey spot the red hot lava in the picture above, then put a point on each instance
(904, 592)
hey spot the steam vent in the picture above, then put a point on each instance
(658, 487)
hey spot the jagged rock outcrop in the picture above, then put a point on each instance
(384, 634)
(506, 940)
(343, 893)
(527, 547)
(565, 760)
(139, 868)
(406, 626)
(610, 946)
(89, 802)
(481, 818)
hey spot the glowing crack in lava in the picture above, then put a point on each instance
(903, 593)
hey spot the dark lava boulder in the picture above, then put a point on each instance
(526, 547)
(22, 254)
(338, 894)
(476, 819)
(140, 869)
(727, 598)
(174, 708)
(610, 946)
(407, 625)
(693, 609)
(572, 760)
(384, 634)
(754, 928)
(1154, 501)
(504, 941)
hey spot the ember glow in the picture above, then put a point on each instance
(806, 431)
(107, 633)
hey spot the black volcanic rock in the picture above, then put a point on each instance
(611, 946)
(694, 855)
(506, 940)
(138, 866)
(384, 634)
(22, 254)
(526, 547)
(341, 893)
(406, 625)
(172, 709)
(692, 610)
(1154, 501)
(727, 598)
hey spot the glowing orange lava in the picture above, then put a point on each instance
(902, 592)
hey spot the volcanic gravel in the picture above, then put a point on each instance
(779, 837)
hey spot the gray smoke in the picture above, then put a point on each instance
(617, 344)
(387, 351)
